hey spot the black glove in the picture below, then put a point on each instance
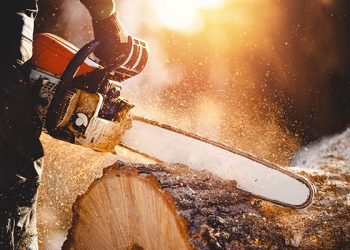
(98, 81)
(110, 89)
(92, 81)
(115, 41)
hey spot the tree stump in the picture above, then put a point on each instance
(137, 206)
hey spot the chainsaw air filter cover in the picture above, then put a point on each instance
(52, 54)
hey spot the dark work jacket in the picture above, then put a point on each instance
(19, 124)
(16, 29)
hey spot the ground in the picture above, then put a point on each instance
(325, 224)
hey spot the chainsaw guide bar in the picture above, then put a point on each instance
(260, 178)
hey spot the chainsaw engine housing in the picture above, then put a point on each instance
(94, 120)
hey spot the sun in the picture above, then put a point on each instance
(183, 15)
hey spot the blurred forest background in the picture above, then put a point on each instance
(267, 76)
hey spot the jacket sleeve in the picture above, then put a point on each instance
(99, 9)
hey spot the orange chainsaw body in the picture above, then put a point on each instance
(95, 120)
(52, 54)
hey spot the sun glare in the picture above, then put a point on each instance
(183, 15)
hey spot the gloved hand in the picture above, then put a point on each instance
(98, 81)
(111, 89)
(115, 41)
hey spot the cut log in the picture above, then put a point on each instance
(122, 211)
(136, 206)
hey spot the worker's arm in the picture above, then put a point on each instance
(99, 9)
(108, 29)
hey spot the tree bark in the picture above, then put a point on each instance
(137, 206)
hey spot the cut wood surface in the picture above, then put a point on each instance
(121, 211)
(137, 206)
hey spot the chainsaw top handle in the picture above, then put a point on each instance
(65, 84)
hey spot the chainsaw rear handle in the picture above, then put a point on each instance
(65, 84)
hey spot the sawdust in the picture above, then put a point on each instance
(325, 224)
(69, 170)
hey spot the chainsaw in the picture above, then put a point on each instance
(78, 110)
